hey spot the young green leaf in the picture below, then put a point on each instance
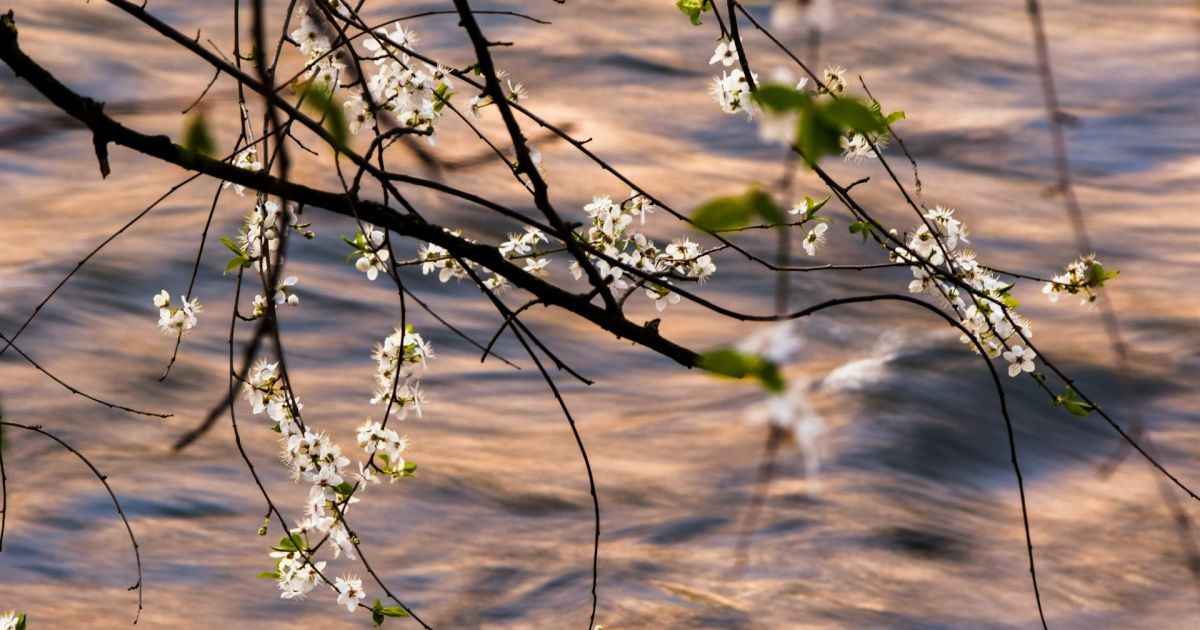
(1073, 404)
(723, 213)
(196, 138)
(734, 364)
(861, 227)
(853, 114)
(409, 470)
(781, 98)
(319, 97)
(733, 212)
(228, 242)
(692, 9)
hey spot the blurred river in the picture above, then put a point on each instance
(914, 521)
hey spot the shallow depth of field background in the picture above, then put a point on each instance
(915, 520)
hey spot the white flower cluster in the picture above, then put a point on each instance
(297, 576)
(437, 258)
(732, 92)
(610, 234)
(523, 245)
(373, 256)
(730, 89)
(284, 294)
(1084, 275)
(264, 226)
(315, 458)
(386, 446)
(414, 96)
(321, 63)
(987, 313)
(401, 361)
(176, 320)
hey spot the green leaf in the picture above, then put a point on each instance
(771, 377)
(813, 207)
(237, 262)
(21, 621)
(732, 212)
(1074, 405)
(853, 114)
(319, 97)
(291, 542)
(268, 574)
(1097, 275)
(861, 227)
(344, 488)
(443, 93)
(1009, 301)
(728, 362)
(692, 9)
(764, 206)
(409, 470)
(735, 364)
(819, 136)
(196, 138)
(723, 213)
(228, 242)
(781, 98)
(894, 117)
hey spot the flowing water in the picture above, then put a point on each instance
(914, 520)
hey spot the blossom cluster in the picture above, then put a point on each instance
(611, 234)
(1083, 277)
(321, 62)
(934, 255)
(400, 362)
(414, 96)
(313, 456)
(176, 320)
(437, 258)
(373, 254)
(284, 294)
(263, 229)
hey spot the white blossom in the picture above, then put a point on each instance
(174, 320)
(815, 238)
(1019, 360)
(10, 620)
(726, 53)
(350, 592)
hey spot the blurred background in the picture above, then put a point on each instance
(913, 520)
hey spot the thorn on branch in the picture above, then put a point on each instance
(101, 145)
